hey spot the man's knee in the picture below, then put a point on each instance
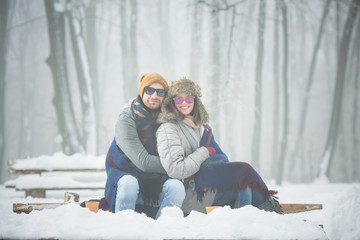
(128, 185)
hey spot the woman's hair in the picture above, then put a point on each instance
(179, 116)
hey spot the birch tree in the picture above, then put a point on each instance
(57, 63)
(329, 150)
(284, 139)
(76, 15)
(258, 87)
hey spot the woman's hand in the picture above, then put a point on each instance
(211, 150)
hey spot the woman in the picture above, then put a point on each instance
(188, 151)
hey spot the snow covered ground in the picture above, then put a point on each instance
(340, 217)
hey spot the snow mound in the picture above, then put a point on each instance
(71, 221)
(346, 213)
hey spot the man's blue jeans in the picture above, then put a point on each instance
(239, 199)
(127, 196)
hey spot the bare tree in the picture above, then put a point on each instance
(27, 85)
(129, 48)
(284, 139)
(167, 52)
(215, 67)
(195, 44)
(76, 15)
(92, 40)
(275, 143)
(4, 12)
(310, 80)
(355, 162)
(57, 63)
(329, 150)
(258, 87)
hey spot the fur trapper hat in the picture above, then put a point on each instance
(188, 87)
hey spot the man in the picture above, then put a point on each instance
(135, 174)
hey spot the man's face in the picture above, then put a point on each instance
(153, 101)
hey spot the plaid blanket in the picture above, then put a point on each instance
(217, 173)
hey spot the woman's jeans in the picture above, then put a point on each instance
(239, 199)
(172, 194)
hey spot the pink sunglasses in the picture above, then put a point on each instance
(179, 100)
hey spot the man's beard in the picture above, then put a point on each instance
(154, 105)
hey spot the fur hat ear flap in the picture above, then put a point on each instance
(204, 115)
(198, 91)
(167, 112)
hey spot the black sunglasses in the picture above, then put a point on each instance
(159, 92)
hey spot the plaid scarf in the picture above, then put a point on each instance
(146, 126)
(217, 173)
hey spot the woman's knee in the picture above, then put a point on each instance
(174, 187)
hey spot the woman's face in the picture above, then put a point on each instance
(184, 103)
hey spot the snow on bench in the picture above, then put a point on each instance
(57, 162)
(57, 172)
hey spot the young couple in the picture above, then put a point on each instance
(164, 155)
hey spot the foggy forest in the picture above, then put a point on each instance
(280, 78)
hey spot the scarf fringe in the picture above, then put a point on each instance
(237, 186)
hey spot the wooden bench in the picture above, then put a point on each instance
(35, 176)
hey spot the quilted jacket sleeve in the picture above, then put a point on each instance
(172, 151)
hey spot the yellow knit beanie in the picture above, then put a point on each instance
(149, 78)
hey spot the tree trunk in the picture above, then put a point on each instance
(215, 70)
(355, 165)
(132, 82)
(75, 15)
(129, 49)
(305, 100)
(167, 56)
(284, 140)
(258, 87)
(229, 51)
(195, 44)
(329, 150)
(275, 143)
(124, 50)
(91, 39)
(4, 12)
(57, 63)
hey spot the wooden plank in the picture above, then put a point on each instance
(28, 207)
(14, 171)
(300, 207)
(287, 207)
(41, 192)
